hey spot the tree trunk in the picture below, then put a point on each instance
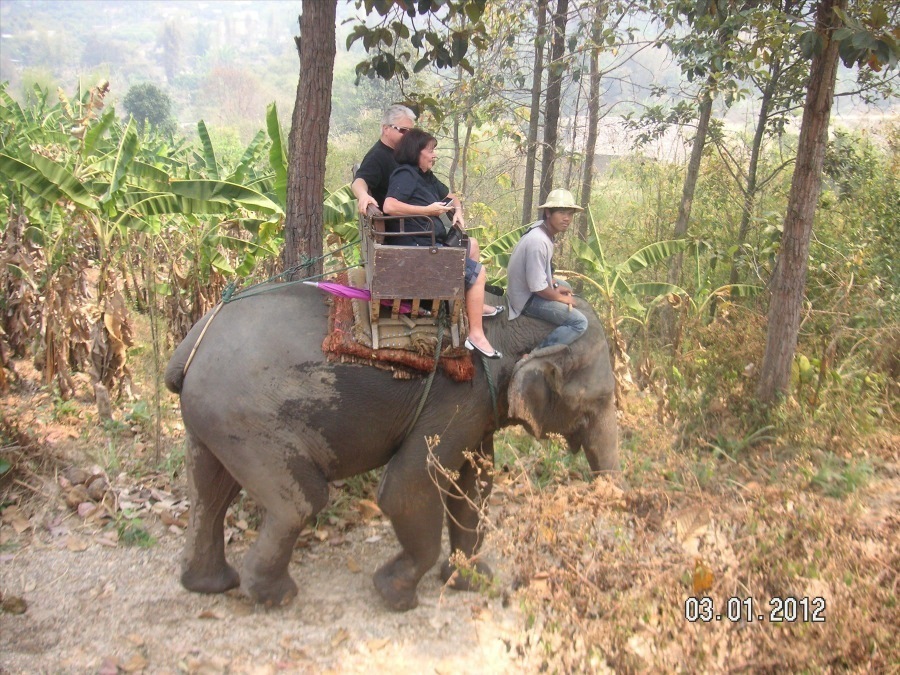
(457, 151)
(465, 159)
(309, 140)
(552, 103)
(690, 183)
(667, 313)
(789, 279)
(755, 151)
(534, 121)
(590, 148)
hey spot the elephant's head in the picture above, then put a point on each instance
(570, 390)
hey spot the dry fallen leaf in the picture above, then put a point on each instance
(702, 578)
(76, 495)
(13, 604)
(169, 519)
(353, 566)
(340, 636)
(376, 645)
(76, 545)
(14, 517)
(134, 664)
(368, 509)
(540, 582)
(109, 538)
(208, 614)
(136, 639)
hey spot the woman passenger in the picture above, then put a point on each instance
(415, 191)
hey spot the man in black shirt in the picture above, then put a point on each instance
(370, 183)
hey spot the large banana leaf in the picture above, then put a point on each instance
(654, 289)
(148, 176)
(501, 248)
(147, 204)
(652, 254)
(340, 207)
(46, 179)
(10, 111)
(209, 155)
(128, 147)
(277, 154)
(197, 197)
(224, 193)
(96, 131)
(246, 162)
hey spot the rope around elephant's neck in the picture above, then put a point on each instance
(441, 320)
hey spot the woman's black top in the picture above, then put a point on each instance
(410, 185)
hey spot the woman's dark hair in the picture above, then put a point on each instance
(411, 145)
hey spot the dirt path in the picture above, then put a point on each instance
(121, 607)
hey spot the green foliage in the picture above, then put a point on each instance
(444, 40)
(133, 532)
(150, 105)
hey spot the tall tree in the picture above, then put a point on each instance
(590, 149)
(308, 141)
(534, 121)
(553, 99)
(789, 280)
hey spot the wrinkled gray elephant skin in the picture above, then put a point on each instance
(264, 410)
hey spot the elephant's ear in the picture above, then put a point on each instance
(534, 383)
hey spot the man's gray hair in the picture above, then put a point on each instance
(394, 114)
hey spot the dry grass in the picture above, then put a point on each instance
(604, 573)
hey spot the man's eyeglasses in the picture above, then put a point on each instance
(402, 130)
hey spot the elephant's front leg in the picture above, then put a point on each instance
(411, 499)
(466, 502)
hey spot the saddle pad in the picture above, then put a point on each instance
(341, 344)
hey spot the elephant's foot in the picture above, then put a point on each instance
(396, 585)
(270, 592)
(203, 581)
(475, 577)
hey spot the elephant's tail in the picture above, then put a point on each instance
(175, 370)
(181, 359)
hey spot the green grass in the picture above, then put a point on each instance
(838, 477)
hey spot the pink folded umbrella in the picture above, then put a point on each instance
(343, 291)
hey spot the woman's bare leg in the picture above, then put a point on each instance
(474, 308)
(474, 253)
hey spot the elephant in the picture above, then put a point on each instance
(264, 409)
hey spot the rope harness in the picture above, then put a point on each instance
(228, 295)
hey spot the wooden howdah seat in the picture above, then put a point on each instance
(424, 276)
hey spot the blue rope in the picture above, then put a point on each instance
(228, 294)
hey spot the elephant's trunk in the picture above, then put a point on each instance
(599, 441)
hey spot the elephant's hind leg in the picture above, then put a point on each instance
(211, 490)
(290, 499)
